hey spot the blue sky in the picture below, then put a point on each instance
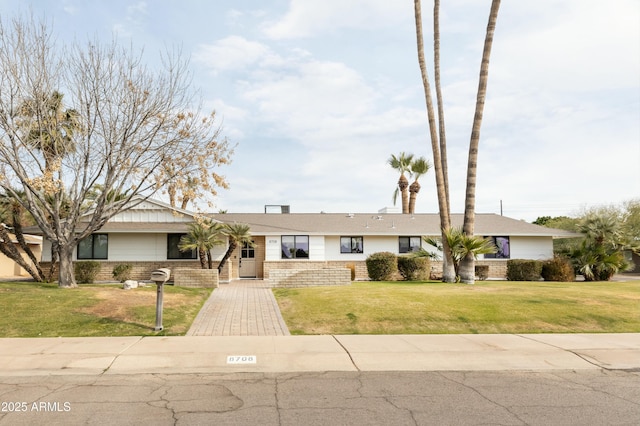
(319, 93)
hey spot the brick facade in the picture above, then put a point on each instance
(310, 277)
(188, 277)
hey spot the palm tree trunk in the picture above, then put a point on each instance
(403, 185)
(439, 99)
(202, 255)
(467, 265)
(448, 273)
(232, 246)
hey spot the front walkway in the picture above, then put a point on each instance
(240, 308)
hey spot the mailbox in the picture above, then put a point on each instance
(160, 276)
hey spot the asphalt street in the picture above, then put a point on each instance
(586, 397)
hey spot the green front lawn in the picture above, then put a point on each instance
(44, 310)
(486, 307)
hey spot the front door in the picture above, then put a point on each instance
(247, 265)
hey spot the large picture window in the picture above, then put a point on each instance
(503, 246)
(409, 244)
(173, 252)
(295, 246)
(351, 245)
(95, 246)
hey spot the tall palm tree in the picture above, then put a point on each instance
(49, 127)
(238, 233)
(202, 236)
(467, 266)
(439, 154)
(402, 163)
(419, 167)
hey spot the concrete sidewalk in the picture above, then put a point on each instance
(274, 354)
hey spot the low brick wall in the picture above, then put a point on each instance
(360, 266)
(187, 277)
(310, 277)
(141, 271)
(497, 268)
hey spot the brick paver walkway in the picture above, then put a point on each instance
(240, 308)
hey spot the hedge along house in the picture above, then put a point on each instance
(336, 240)
(145, 236)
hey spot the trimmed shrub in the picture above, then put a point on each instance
(523, 270)
(86, 271)
(414, 268)
(482, 272)
(122, 272)
(382, 266)
(558, 269)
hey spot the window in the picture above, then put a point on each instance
(248, 252)
(502, 244)
(295, 246)
(351, 245)
(95, 246)
(409, 244)
(173, 252)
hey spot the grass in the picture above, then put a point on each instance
(44, 310)
(486, 307)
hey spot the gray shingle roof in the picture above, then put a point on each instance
(380, 224)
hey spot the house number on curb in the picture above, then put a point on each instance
(241, 359)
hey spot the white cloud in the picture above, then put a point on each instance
(232, 53)
(312, 18)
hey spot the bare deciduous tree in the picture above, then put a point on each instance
(138, 131)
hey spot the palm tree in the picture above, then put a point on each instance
(467, 267)
(419, 167)
(238, 233)
(462, 246)
(438, 145)
(50, 128)
(202, 236)
(402, 163)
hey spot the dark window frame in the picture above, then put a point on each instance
(93, 256)
(500, 254)
(409, 238)
(352, 248)
(298, 253)
(172, 247)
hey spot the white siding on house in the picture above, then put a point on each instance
(273, 250)
(316, 247)
(531, 247)
(151, 215)
(140, 247)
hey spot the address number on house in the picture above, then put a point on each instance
(241, 359)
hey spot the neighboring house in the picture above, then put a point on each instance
(8, 267)
(147, 237)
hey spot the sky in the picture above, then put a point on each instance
(318, 94)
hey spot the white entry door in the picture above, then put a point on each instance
(247, 265)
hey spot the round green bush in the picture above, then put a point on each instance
(382, 266)
(414, 268)
(523, 270)
(558, 269)
(86, 271)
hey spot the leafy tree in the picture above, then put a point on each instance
(419, 167)
(136, 132)
(402, 163)
(600, 254)
(238, 234)
(202, 236)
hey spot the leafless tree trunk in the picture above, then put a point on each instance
(132, 122)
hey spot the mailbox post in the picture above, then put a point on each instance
(160, 276)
